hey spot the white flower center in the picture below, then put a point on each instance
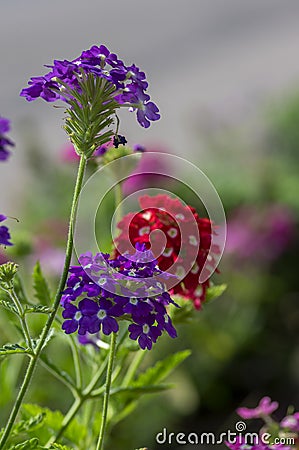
(195, 268)
(180, 271)
(145, 328)
(102, 314)
(167, 252)
(198, 291)
(144, 230)
(78, 316)
(133, 301)
(172, 232)
(132, 273)
(193, 240)
(147, 215)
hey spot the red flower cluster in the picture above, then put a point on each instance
(182, 248)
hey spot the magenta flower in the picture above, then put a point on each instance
(291, 422)
(264, 408)
(260, 234)
(68, 153)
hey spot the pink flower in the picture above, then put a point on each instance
(260, 233)
(264, 408)
(68, 153)
(291, 422)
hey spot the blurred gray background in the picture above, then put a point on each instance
(202, 57)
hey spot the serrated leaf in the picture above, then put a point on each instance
(40, 309)
(161, 369)
(214, 292)
(30, 424)
(41, 288)
(10, 349)
(55, 445)
(19, 289)
(53, 421)
(26, 445)
(6, 304)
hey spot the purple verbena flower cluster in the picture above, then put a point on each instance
(102, 291)
(4, 141)
(4, 232)
(129, 81)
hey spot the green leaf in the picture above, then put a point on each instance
(26, 445)
(53, 421)
(10, 349)
(41, 289)
(146, 382)
(214, 292)
(161, 369)
(30, 424)
(6, 304)
(19, 289)
(40, 309)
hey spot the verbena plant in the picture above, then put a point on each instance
(130, 295)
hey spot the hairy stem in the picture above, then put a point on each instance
(79, 401)
(47, 327)
(22, 317)
(107, 392)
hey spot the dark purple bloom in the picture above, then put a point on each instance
(5, 143)
(165, 323)
(145, 331)
(139, 148)
(129, 82)
(74, 319)
(99, 315)
(118, 289)
(146, 112)
(4, 232)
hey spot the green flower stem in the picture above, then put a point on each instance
(80, 400)
(21, 315)
(47, 327)
(107, 391)
(71, 386)
(88, 393)
(133, 368)
(76, 360)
